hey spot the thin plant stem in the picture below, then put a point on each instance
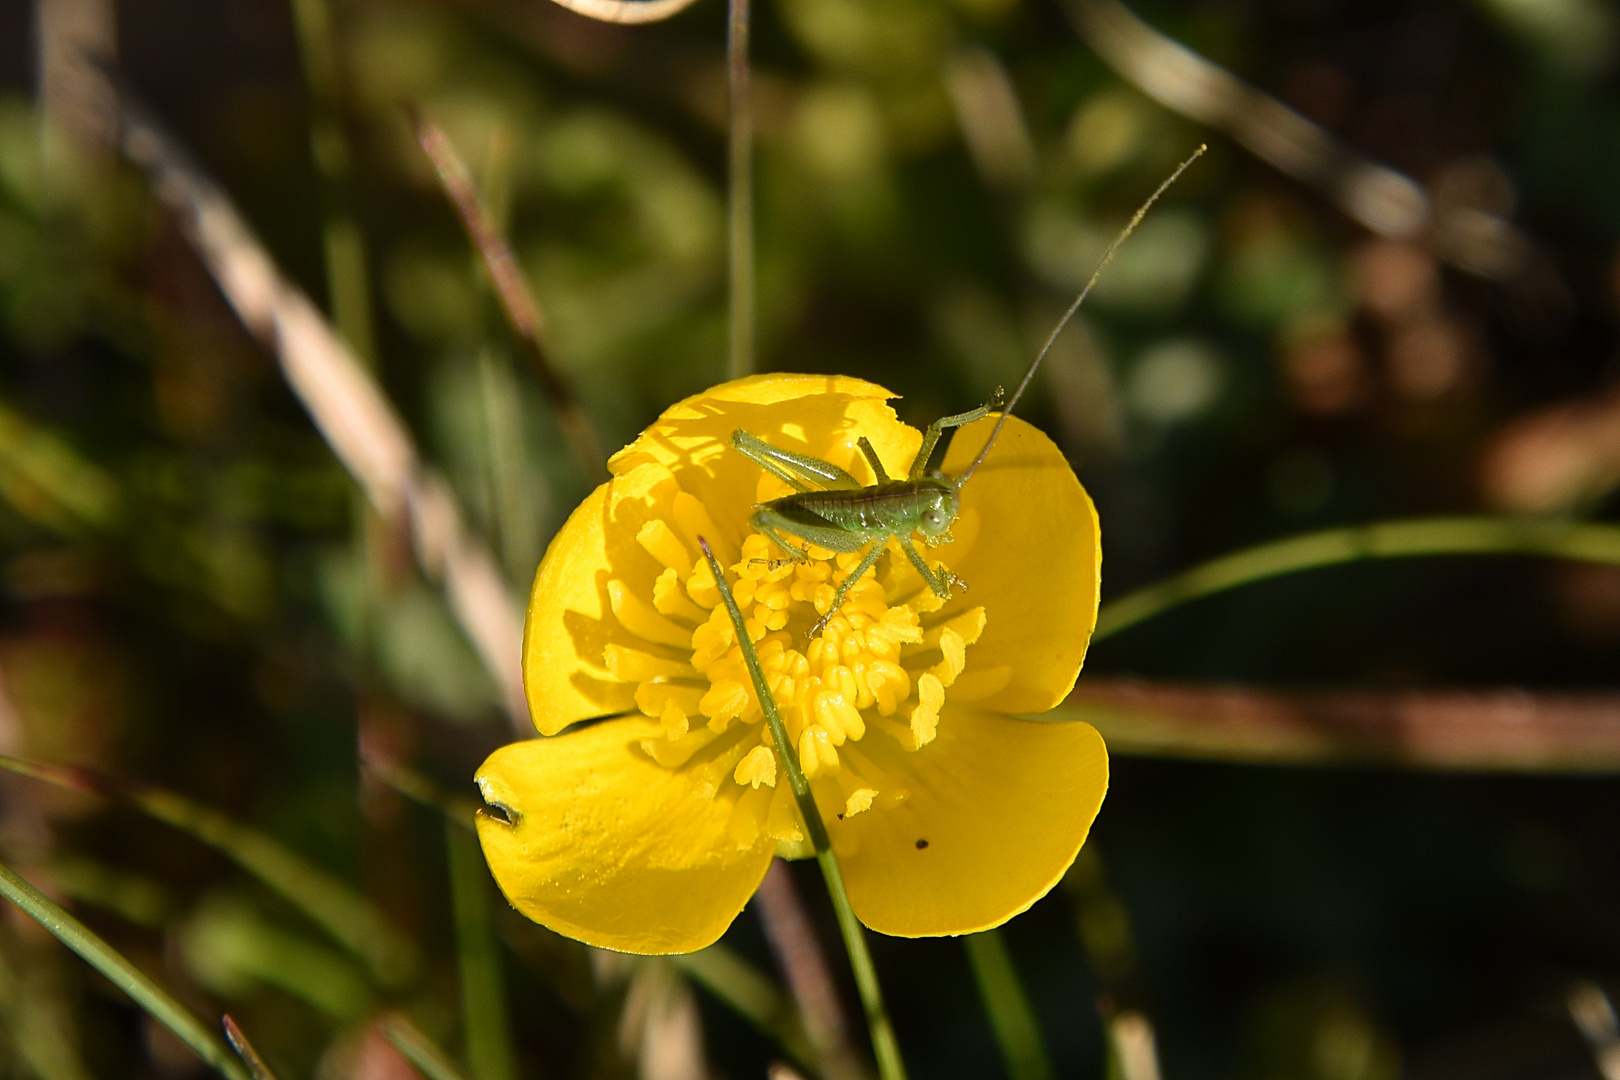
(244, 1049)
(425, 1057)
(1378, 540)
(485, 1018)
(458, 810)
(793, 940)
(348, 278)
(121, 973)
(517, 300)
(1011, 1018)
(742, 191)
(884, 1045)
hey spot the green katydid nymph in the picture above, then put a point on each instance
(831, 509)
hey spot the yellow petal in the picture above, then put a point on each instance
(571, 623)
(611, 849)
(1032, 558)
(565, 635)
(820, 415)
(997, 810)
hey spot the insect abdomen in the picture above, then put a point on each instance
(892, 508)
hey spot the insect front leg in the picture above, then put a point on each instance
(919, 464)
(940, 581)
(873, 460)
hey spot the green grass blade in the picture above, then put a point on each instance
(123, 974)
(486, 1021)
(1011, 1018)
(419, 1050)
(1377, 540)
(885, 1047)
(351, 919)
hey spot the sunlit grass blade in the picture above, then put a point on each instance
(425, 1057)
(348, 917)
(244, 1050)
(1011, 1018)
(751, 994)
(485, 1019)
(1377, 540)
(885, 1047)
(122, 974)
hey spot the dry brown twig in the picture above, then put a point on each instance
(1383, 200)
(512, 289)
(343, 399)
(627, 12)
(804, 964)
(1501, 730)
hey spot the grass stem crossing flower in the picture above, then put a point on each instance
(649, 831)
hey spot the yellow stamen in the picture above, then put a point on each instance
(759, 767)
(860, 799)
(875, 663)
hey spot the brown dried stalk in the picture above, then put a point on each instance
(343, 399)
(512, 289)
(804, 965)
(627, 12)
(1500, 730)
(1380, 198)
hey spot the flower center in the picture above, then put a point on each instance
(878, 665)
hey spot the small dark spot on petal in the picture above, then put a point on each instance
(499, 811)
(921, 844)
(840, 817)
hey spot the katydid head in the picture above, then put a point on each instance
(1108, 257)
(939, 508)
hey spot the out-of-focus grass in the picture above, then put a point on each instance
(189, 594)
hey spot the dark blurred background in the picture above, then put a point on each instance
(193, 595)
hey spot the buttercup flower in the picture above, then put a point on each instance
(649, 831)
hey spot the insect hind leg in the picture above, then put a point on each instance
(938, 428)
(795, 554)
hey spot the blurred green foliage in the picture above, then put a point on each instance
(192, 593)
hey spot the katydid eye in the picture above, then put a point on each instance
(933, 521)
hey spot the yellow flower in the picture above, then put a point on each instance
(648, 832)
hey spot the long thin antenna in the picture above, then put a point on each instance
(1124, 234)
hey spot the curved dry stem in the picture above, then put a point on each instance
(627, 12)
